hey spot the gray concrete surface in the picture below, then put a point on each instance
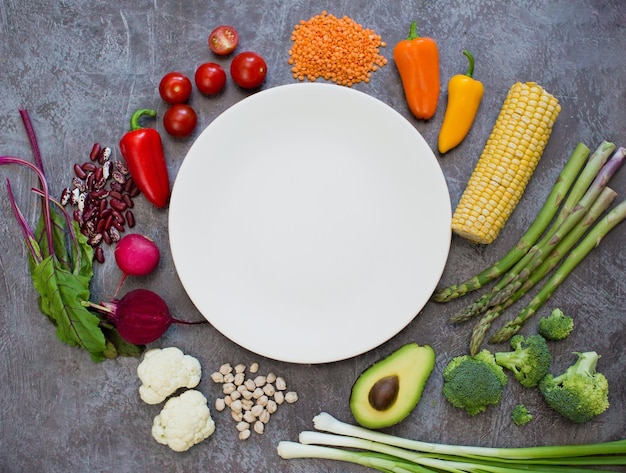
(81, 68)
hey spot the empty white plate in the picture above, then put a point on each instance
(310, 223)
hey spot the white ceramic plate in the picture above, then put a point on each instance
(310, 223)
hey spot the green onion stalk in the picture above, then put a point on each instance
(388, 453)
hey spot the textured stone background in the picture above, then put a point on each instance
(82, 67)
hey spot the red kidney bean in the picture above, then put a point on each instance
(130, 218)
(99, 255)
(99, 194)
(116, 186)
(103, 205)
(115, 195)
(117, 204)
(117, 216)
(88, 167)
(128, 201)
(106, 237)
(128, 185)
(79, 171)
(108, 222)
(101, 227)
(134, 191)
(117, 225)
(98, 174)
(95, 152)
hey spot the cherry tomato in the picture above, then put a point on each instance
(210, 78)
(223, 40)
(175, 87)
(248, 70)
(180, 120)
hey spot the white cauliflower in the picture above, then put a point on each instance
(163, 371)
(184, 421)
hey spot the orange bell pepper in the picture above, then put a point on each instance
(464, 96)
(417, 60)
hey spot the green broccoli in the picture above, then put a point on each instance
(474, 382)
(556, 326)
(520, 415)
(530, 361)
(580, 393)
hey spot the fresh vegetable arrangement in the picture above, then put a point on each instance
(575, 217)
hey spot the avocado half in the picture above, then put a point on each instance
(387, 391)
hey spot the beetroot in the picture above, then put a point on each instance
(140, 317)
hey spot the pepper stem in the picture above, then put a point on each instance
(134, 119)
(470, 67)
(413, 31)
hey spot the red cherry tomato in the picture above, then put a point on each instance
(210, 78)
(175, 87)
(248, 70)
(180, 120)
(223, 40)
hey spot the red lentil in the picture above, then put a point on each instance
(334, 49)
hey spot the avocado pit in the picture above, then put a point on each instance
(384, 393)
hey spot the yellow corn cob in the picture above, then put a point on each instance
(507, 162)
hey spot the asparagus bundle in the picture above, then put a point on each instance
(580, 198)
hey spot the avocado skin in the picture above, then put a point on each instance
(413, 365)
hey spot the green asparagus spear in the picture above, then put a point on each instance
(602, 203)
(559, 190)
(586, 189)
(538, 252)
(591, 241)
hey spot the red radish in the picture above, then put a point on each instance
(140, 317)
(136, 255)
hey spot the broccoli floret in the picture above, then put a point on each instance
(529, 361)
(520, 415)
(474, 382)
(556, 326)
(580, 393)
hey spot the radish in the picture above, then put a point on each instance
(140, 317)
(136, 255)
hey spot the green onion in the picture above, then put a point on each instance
(388, 453)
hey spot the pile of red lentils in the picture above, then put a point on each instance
(335, 49)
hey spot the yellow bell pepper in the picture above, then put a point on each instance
(464, 96)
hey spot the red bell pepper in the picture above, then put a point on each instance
(142, 149)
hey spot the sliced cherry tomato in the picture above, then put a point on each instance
(175, 87)
(210, 78)
(180, 120)
(223, 40)
(248, 70)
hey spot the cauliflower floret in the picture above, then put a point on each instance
(184, 421)
(163, 371)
